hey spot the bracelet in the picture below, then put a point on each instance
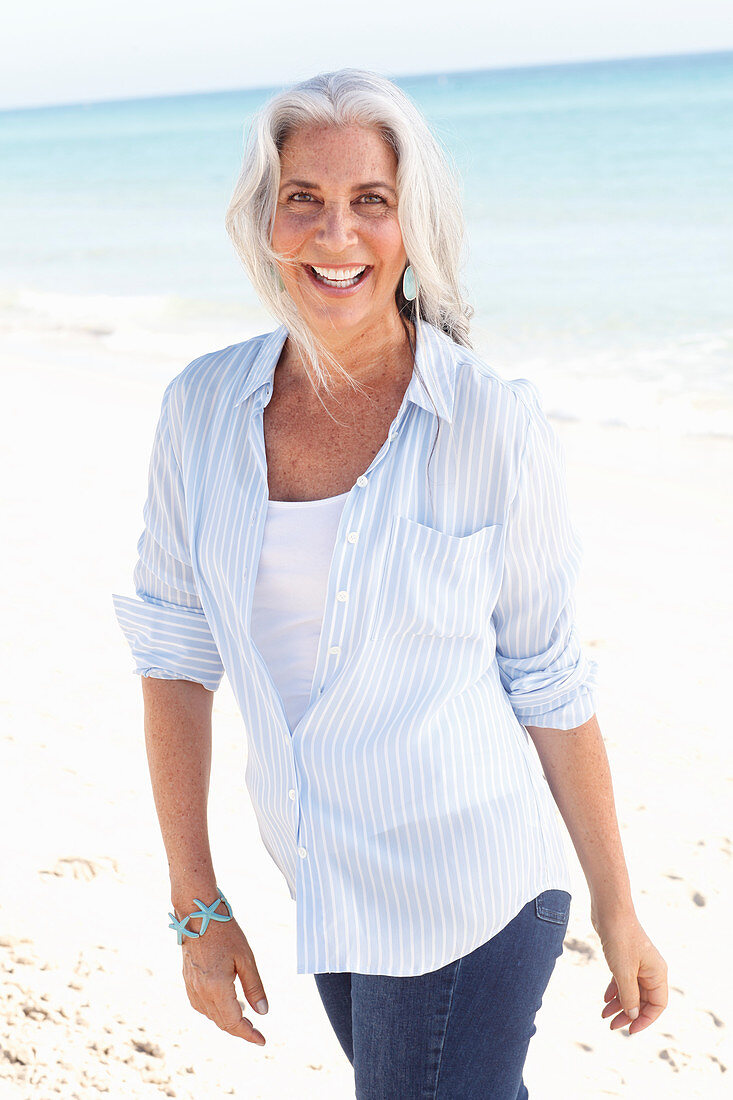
(206, 913)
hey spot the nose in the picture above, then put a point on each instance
(336, 229)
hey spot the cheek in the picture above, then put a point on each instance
(288, 232)
(386, 241)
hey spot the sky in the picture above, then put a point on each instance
(83, 50)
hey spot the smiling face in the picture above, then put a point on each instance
(336, 217)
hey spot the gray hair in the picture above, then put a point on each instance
(428, 209)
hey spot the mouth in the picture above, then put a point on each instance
(339, 279)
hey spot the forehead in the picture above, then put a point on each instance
(332, 153)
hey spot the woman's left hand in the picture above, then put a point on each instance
(637, 992)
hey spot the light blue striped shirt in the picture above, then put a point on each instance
(407, 809)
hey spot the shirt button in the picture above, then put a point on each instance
(291, 795)
(362, 481)
(335, 649)
(302, 853)
(352, 536)
(342, 597)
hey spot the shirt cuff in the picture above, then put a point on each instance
(556, 699)
(169, 642)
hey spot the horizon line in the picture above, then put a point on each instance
(395, 77)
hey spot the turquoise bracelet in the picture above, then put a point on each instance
(206, 913)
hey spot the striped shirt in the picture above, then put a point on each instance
(407, 809)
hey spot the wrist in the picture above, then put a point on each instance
(183, 892)
(217, 911)
(613, 908)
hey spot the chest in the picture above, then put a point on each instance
(311, 455)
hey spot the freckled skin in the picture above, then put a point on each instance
(337, 224)
(308, 457)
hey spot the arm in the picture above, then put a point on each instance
(551, 685)
(178, 744)
(180, 665)
(576, 767)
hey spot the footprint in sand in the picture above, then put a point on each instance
(667, 1057)
(580, 947)
(82, 869)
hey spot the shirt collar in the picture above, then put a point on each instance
(262, 367)
(435, 359)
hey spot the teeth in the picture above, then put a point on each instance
(339, 274)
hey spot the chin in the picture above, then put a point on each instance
(330, 320)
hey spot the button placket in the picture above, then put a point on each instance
(342, 595)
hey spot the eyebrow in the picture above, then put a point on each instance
(358, 186)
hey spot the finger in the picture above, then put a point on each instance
(628, 992)
(249, 977)
(622, 1020)
(243, 1029)
(653, 1003)
(227, 1015)
(649, 1013)
(611, 991)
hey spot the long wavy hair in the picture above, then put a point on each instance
(429, 208)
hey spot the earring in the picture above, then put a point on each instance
(409, 284)
(280, 283)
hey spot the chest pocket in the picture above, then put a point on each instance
(438, 584)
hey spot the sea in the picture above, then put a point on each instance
(598, 199)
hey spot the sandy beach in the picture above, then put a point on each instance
(92, 999)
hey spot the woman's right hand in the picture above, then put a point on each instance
(210, 965)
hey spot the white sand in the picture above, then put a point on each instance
(92, 1000)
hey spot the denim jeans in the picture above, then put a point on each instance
(457, 1033)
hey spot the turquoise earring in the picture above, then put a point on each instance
(409, 284)
(280, 283)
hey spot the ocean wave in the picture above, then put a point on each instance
(681, 386)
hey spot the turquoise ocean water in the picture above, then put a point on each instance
(598, 199)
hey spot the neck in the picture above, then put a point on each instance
(369, 356)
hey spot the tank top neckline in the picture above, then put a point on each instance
(305, 503)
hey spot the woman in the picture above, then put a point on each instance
(366, 527)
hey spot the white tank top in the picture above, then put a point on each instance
(290, 593)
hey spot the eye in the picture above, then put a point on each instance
(299, 195)
(379, 199)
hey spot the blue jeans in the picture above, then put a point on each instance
(457, 1033)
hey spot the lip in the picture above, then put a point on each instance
(339, 291)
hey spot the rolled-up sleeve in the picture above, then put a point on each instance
(549, 679)
(165, 624)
